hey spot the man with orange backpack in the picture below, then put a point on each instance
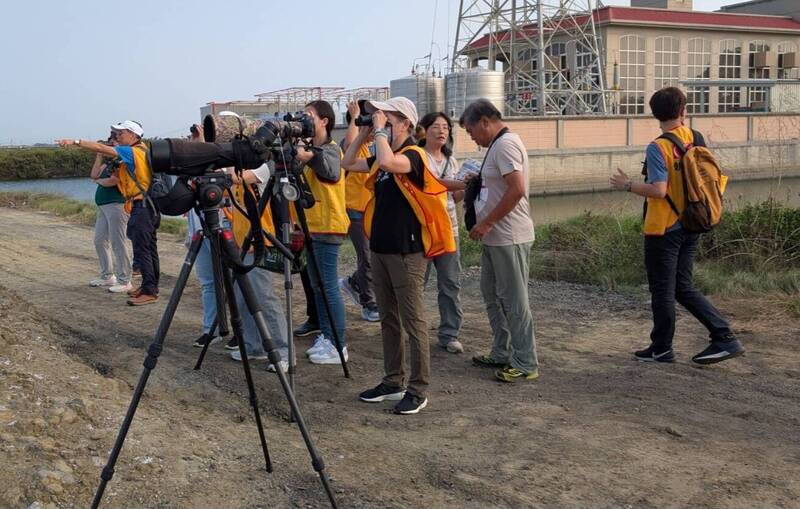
(683, 188)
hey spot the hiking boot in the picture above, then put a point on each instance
(486, 361)
(121, 288)
(650, 354)
(103, 281)
(410, 404)
(142, 300)
(206, 339)
(347, 288)
(382, 392)
(134, 292)
(307, 329)
(454, 346)
(232, 344)
(237, 356)
(511, 375)
(328, 355)
(370, 314)
(719, 351)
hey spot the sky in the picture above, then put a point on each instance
(70, 69)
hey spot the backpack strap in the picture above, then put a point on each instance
(672, 138)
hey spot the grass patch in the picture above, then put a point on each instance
(74, 210)
(44, 163)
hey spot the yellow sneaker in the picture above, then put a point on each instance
(511, 375)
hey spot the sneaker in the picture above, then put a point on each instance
(454, 346)
(284, 365)
(719, 351)
(347, 288)
(486, 361)
(206, 339)
(511, 375)
(320, 344)
(232, 344)
(370, 315)
(328, 356)
(134, 292)
(410, 404)
(121, 288)
(382, 392)
(649, 354)
(142, 300)
(237, 356)
(307, 329)
(103, 281)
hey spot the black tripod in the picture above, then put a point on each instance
(223, 250)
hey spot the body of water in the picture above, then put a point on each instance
(546, 209)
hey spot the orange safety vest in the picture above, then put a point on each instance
(660, 215)
(356, 193)
(240, 223)
(127, 185)
(329, 213)
(429, 205)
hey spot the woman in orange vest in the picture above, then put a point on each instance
(327, 223)
(407, 222)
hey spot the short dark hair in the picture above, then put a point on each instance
(428, 121)
(667, 103)
(324, 110)
(478, 110)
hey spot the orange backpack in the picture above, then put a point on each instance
(703, 184)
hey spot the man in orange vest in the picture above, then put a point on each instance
(669, 249)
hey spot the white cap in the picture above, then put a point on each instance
(129, 125)
(401, 105)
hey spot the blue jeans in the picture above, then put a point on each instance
(669, 260)
(269, 303)
(327, 256)
(205, 276)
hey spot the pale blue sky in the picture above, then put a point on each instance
(72, 68)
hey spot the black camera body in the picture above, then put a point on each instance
(363, 120)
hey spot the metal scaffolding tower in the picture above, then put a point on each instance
(519, 35)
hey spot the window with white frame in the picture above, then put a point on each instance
(699, 59)
(697, 99)
(757, 96)
(787, 69)
(730, 67)
(631, 74)
(667, 61)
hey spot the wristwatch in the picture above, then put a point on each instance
(381, 132)
(77, 142)
(628, 186)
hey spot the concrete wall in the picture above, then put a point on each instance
(578, 154)
(769, 7)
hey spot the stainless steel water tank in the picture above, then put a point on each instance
(424, 90)
(464, 87)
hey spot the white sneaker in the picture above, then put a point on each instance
(103, 281)
(454, 346)
(319, 345)
(235, 355)
(120, 288)
(284, 365)
(328, 356)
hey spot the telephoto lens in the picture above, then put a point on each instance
(364, 120)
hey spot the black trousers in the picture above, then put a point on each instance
(142, 232)
(669, 260)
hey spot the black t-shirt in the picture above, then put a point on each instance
(395, 228)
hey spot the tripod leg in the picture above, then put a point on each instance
(275, 357)
(337, 341)
(236, 324)
(287, 286)
(153, 352)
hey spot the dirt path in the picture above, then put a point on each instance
(597, 429)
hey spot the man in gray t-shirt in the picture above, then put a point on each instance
(505, 227)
